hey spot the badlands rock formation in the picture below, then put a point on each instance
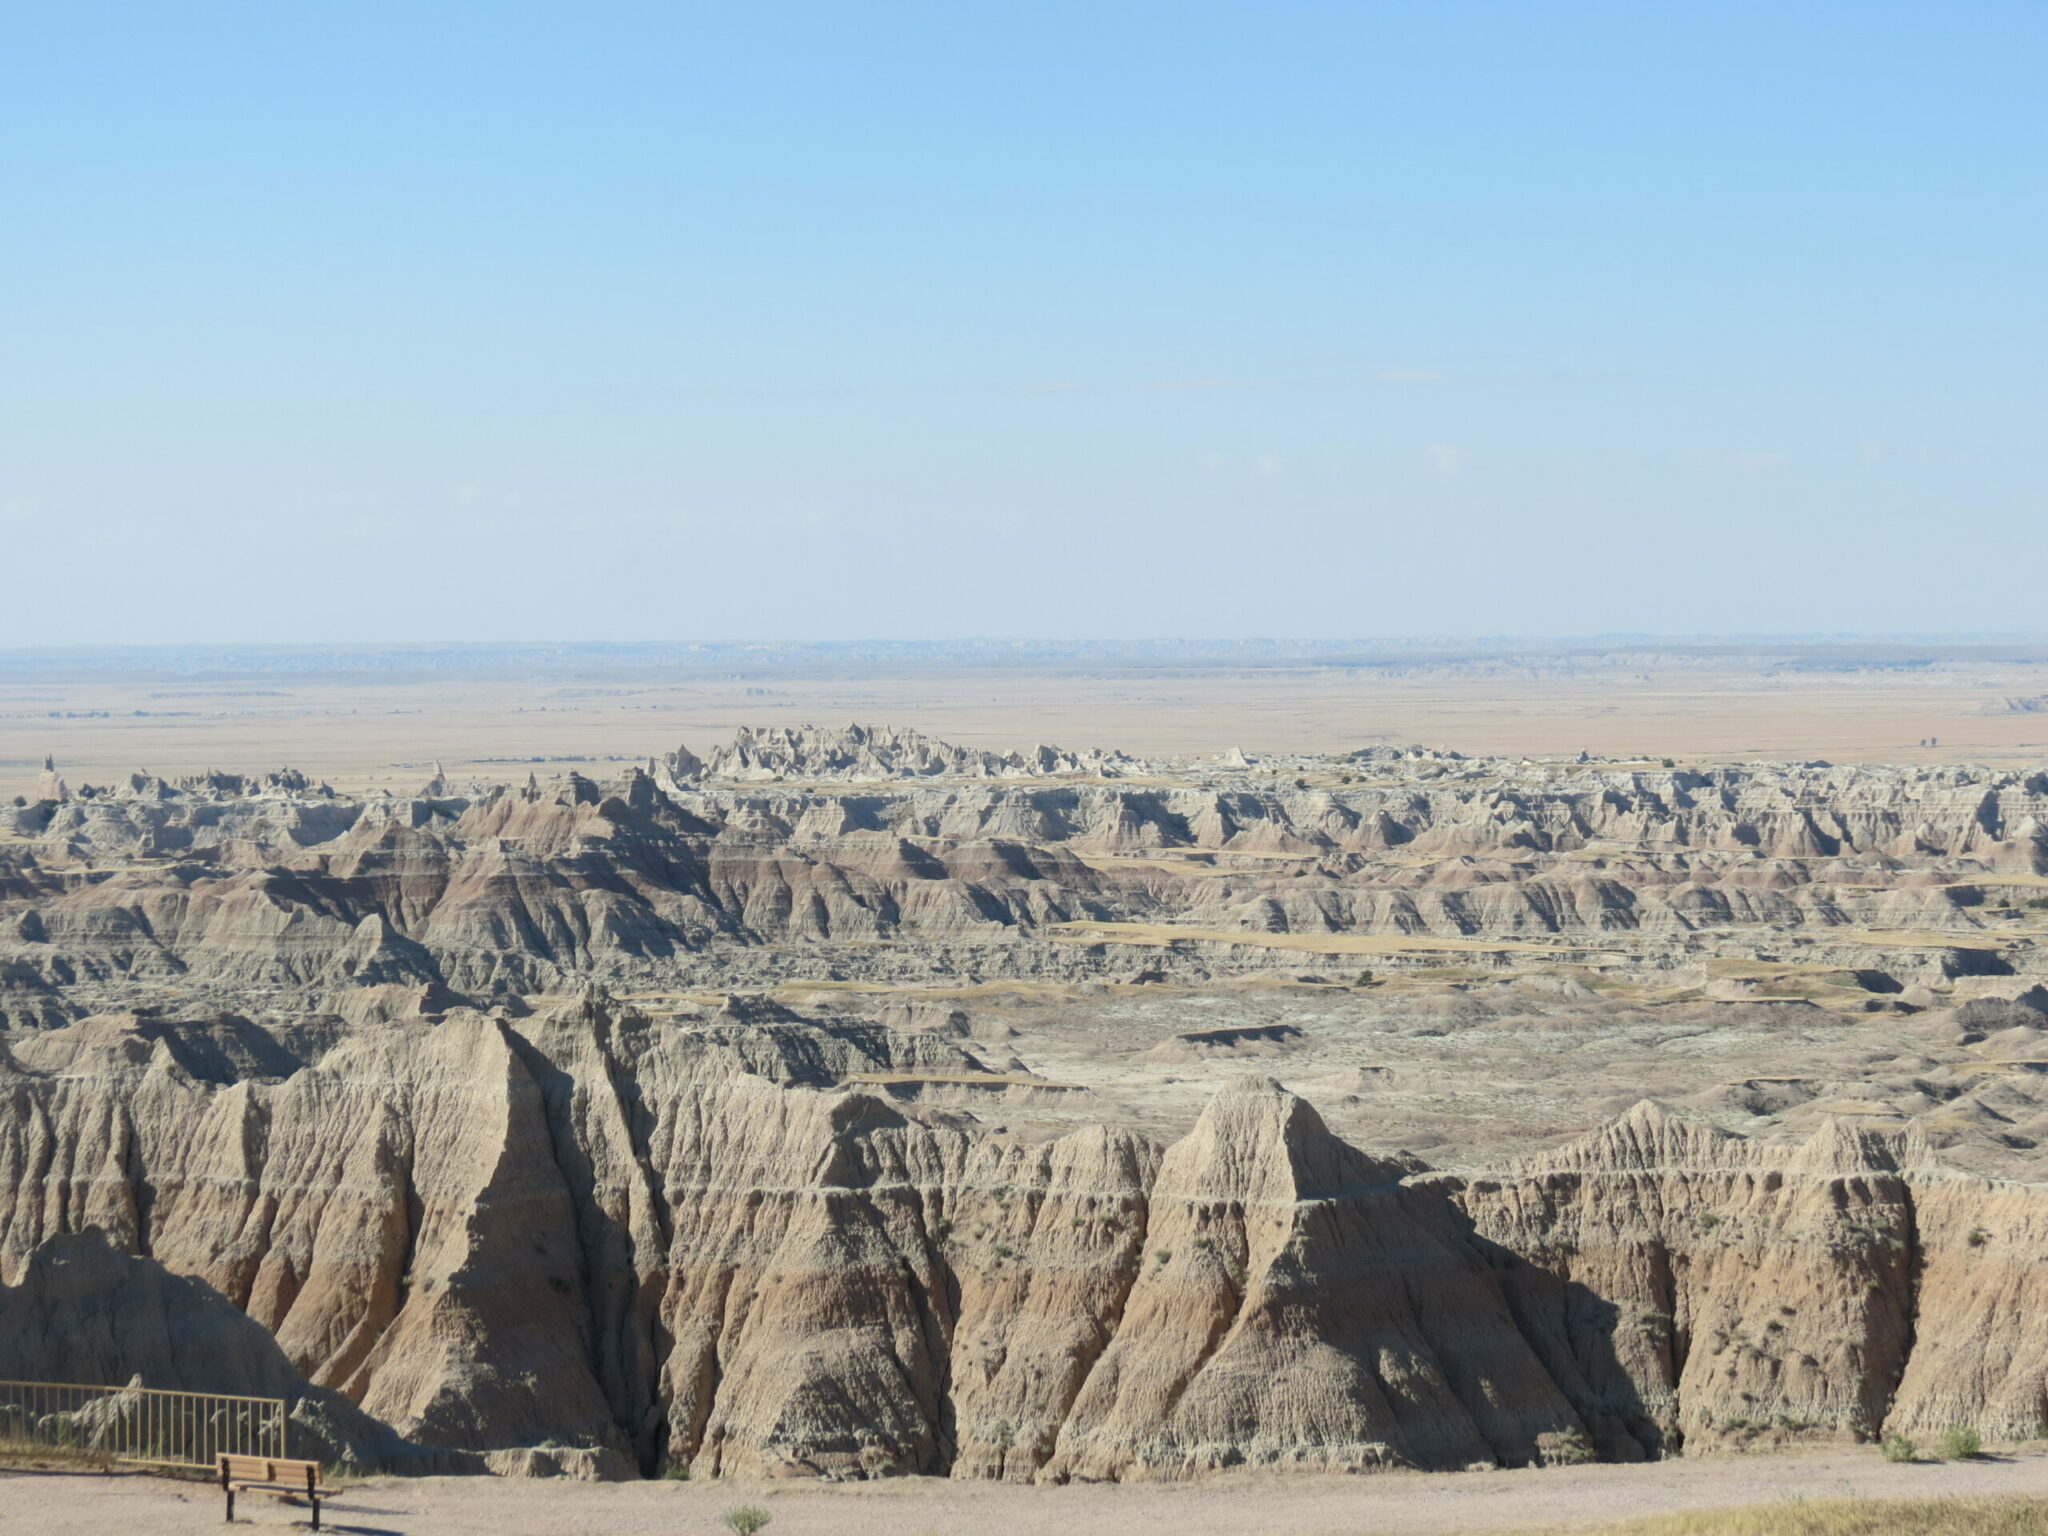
(228, 890)
(595, 1227)
(344, 1101)
(861, 753)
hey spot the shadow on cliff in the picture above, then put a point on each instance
(1570, 1328)
(85, 1312)
(628, 1347)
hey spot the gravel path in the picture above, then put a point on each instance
(1559, 1499)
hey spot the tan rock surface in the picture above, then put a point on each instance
(594, 1227)
(347, 1071)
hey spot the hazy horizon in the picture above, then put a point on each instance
(642, 321)
(1222, 648)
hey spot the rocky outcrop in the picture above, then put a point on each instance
(278, 892)
(337, 1085)
(49, 786)
(649, 1239)
(868, 753)
(1692, 1289)
(1297, 1305)
(84, 1311)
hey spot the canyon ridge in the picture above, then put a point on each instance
(843, 1102)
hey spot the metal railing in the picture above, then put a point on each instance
(140, 1424)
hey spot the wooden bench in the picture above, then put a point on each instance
(272, 1474)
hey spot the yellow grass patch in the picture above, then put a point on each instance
(1159, 935)
(1850, 1517)
(986, 989)
(963, 1079)
(1736, 968)
(1906, 939)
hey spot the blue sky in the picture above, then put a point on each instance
(446, 321)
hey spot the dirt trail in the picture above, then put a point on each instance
(1559, 1499)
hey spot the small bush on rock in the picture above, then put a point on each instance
(1571, 1449)
(1961, 1445)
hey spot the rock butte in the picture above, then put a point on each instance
(340, 1100)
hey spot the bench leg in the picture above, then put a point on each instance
(231, 1506)
(316, 1511)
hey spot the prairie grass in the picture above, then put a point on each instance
(27, 1453)
(1160, 934)
(1852, 1517)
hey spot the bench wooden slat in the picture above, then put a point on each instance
(271, 1474)
(269, 1469)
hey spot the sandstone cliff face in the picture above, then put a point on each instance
(1297, 1306)
(1691, 1288)
(600, 1227)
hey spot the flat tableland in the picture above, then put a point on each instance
(364, 729)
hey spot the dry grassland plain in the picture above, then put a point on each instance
(1790, 1495)
(362, 731)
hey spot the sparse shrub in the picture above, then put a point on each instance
(1897, 1447)
(1365, 978)
(1570, 1449)
(676, 1472)
(1978, 1237)
(1961, 1445)
(1669, 764)
(746, 1519)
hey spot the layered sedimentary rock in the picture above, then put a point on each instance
(280, 891)
(353, 1087)
(596, 1227)
(1297, 1305)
